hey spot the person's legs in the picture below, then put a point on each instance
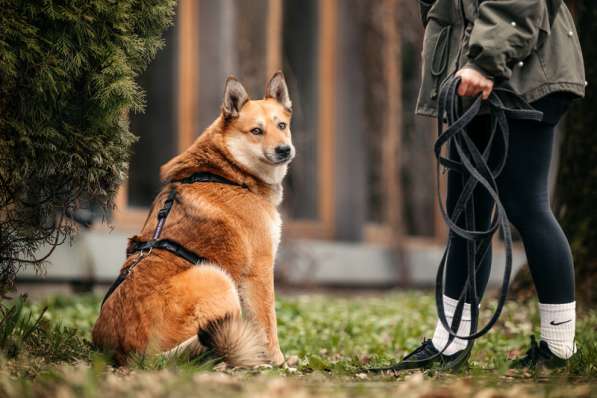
(523, 191)
(456, 263)
(523, 187)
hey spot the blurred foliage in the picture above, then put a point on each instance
(328, 341)
(29, 336)
(67, 73)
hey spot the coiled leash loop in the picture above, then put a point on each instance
(474, 169)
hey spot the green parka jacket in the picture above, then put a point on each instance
(517, 42)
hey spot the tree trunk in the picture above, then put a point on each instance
(576, 190)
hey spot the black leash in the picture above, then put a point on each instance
(144, 248)
(475, 170)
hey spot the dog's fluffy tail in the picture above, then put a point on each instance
(235, 341)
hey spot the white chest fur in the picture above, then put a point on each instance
(275, 231)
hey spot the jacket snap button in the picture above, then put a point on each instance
(570, 33)
(513, 23)
(521, 64)
(586, 83)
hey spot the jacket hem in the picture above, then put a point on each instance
(427, 112)
(549, 88)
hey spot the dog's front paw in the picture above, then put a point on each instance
(277, 358)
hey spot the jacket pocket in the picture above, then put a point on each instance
(560, 55)
(436, 55)
(442, 11)
(470, 9)
(544, 25)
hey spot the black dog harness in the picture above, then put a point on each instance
(144, 248)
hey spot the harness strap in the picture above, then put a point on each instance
(169, 245)
(163, 214)
(209, 177)
(144, 248)
(119, 279)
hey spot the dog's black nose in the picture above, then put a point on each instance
(283, 151)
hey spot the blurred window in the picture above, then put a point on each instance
(299, 57)
(156, 127)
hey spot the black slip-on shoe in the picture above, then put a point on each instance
(538, 355)
(426, 355)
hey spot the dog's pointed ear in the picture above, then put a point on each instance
(235, 96)
(278, 89)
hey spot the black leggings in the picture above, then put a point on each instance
(523, 190)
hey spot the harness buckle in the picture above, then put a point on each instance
(143, 253)
(163, 212)
(137, 260)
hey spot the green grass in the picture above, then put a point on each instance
(328, 340)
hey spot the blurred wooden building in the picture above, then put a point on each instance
(359, 205)
(352, 178)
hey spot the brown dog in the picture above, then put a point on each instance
(166, 303)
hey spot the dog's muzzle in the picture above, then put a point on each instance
(282, 154)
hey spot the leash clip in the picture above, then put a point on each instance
(143, 253)
(140, 256)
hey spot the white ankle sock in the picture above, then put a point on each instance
(441, 335)
(558, 323)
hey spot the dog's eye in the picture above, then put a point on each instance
(257, 131)
(281, 125)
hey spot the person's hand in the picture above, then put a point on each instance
(472, 82)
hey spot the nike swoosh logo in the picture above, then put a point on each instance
(559, 323)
